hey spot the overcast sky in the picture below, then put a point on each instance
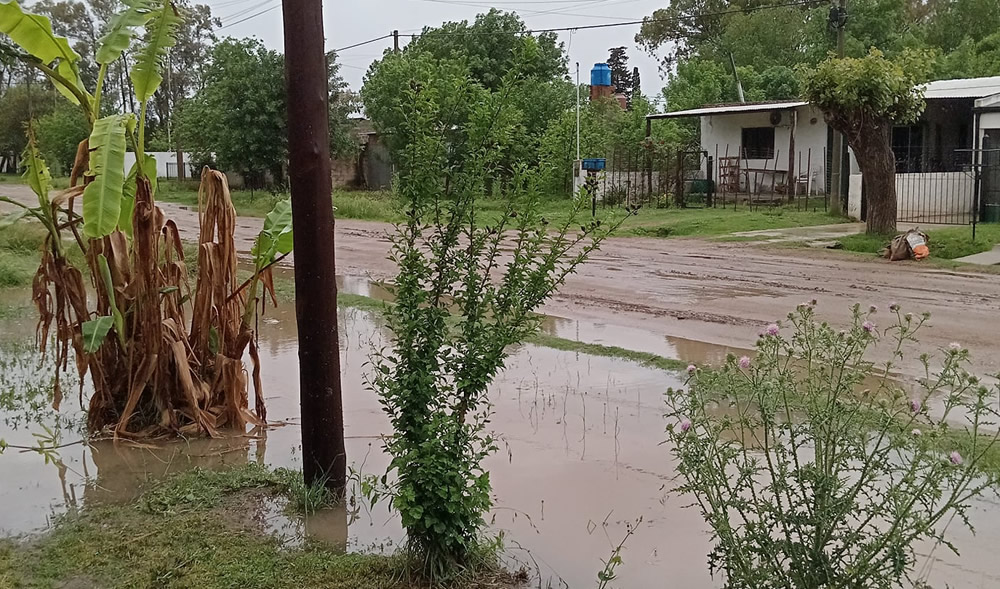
(352, 21)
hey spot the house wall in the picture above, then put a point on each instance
(162, 159)
(926, 197)
(721, 135)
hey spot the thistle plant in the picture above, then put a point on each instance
(814, 467)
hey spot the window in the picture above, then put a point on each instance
(758, 143)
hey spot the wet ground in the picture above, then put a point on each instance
(580, 459)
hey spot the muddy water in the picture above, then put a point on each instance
(580, 460)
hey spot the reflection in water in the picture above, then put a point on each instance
(580, 459)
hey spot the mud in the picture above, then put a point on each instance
(714, 292)
(580, 460)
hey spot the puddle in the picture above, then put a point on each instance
(580, 459)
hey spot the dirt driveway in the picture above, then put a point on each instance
(714, 292)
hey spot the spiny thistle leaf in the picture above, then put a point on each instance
(102, 199)
(145, 74)
(121, 30)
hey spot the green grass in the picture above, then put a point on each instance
(10, 179)
(945, 244)
(643, 358)
(650, 222)
(20, 245)
(193, 531)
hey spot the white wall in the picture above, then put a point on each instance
(721, 135)
(162, 158)
(930, 197)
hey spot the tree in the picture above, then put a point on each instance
(59, 133)
(343, 104)
(621, 75)
(864, 98)
(494, 44)
(74, 21)
(252, 138)
(186, 64)
(18, 105)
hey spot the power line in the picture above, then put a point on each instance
(242, 20)
(597, 26)
(244, 11)
(636, 22)
(369, 42)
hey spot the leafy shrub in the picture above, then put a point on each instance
(466, 291)
(814, 468)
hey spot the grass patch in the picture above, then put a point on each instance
(187, 533)
(650, 222)
(643, 358)
(946, 244)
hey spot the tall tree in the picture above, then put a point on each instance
(621, 75)
(494, 44)
(250, 139)
(185, 65)
(864, 98)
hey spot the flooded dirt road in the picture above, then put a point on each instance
(580, 459)
(715, 292)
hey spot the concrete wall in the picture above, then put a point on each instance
(721, 135)
(162, 159)
(929, 197)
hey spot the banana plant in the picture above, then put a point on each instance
(104, 206)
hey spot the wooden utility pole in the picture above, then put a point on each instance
(324, 459)
(838, 202)
(395, 41)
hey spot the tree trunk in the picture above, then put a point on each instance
(873, 148)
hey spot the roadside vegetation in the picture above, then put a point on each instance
(945, 244)
(200, 529)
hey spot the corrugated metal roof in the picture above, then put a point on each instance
(731, 108)
(964, 88)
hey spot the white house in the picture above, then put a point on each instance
(947, 163)
(762, 147)
(166, 164)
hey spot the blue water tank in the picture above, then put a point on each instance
(600, 75)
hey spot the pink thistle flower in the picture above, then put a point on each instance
(745, 362)
(955, 346)
(956, 458)
(915, 405)
(915, 432)
(868, 326)
(685, 425)
(893, 306)
(772, 329)
(692, 369)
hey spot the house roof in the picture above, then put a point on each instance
(725, 109)
(963, 88)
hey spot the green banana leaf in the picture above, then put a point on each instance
(102, 199)
(109, 287)
(161, 36)
(94, 333)
(33, 33)
(128, 191)
(36, 172)
(121, 30)
(276, 237)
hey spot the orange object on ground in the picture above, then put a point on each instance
(921, 251)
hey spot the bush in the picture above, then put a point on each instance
(815, 469)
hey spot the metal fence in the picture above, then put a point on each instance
(692, 178)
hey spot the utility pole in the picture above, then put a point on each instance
(578, 111)
(324, 458)
(395, 41)
(838, 19)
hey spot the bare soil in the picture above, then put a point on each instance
(716, 292)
